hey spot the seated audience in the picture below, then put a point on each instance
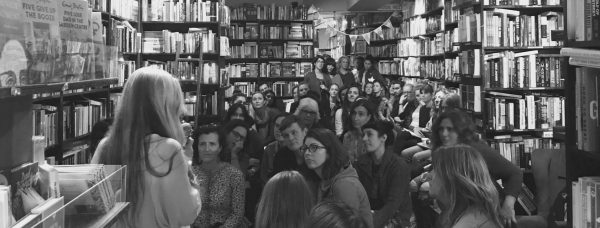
(361, 112)
(342, 115)
(272, 148)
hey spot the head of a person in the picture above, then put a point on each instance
(286, 201)
(277, 124)
(263, 87)
(461, 180)
(331, 66)
(99, 131)
(378, 135)
(344, 62)
(334, 214)
(425, 94)
(302, 90)
(258, 100)
(439, 96)
(409, 90)
(293, 132)
(238, 111)
(235, 132)
(324, 152)
(208, 144)
(295, 92)
(343, 93)
(451, 128)
(238, 98)
(395, 88)
(334, 90)
(377, 88)
(308, 111)
(368, 88)
(269, 97)
(353, 93)
(359, 62)
(361, 112)
(450, 102)
(319, 64)
(369, 63)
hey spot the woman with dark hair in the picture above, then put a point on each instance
(262, 115)
(332, 70)
(318, 79)
(334, 104)
(368, 90)
(255, 143)
(326, 156)
(361, 112)
(463, 188)
(333, 214)
(272, 101)
(235, 152)
(342, 115)
(371, 73)
(378, 93)
(286, 201)
(456, 127)
(221, 184)
(385, 177)
(271, 149)
(238, 111)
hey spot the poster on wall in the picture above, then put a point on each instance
(42, 39)
(13, 59)
(77, 47)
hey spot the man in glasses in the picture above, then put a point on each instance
(291, 157)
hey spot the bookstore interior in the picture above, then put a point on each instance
(240, 88)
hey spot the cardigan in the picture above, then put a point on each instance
(387, 186)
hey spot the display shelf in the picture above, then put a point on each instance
(92, 83)
(54, 87)
(434, 12)
(272, 21)
(177, 26)
(267, 79)
(171, 56)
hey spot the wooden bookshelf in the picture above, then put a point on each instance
(164, 57)
(269, 40)
(433, 12)
(177, 26)
(526, 8)
(267, 79)
(271, 21)
(521, 90)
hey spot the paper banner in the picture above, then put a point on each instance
(367, 37)
(312, 9)
(353, 39)
(388, 23)
(379, 32)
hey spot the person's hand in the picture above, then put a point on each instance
(397, 119)
(403, 98)
(507, 212)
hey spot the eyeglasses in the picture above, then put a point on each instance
(238, 136)
(312, 148)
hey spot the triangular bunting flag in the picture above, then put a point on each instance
(312, 9)
(388, 23)
(379, 32)
(353, 39)
(367, 37)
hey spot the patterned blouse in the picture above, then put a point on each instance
(354, 144)
(222, 197)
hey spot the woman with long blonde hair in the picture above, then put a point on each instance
(464, 189)
(148, 138)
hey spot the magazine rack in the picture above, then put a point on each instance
(82, 210)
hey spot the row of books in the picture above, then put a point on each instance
(451, 69)
(290, 49)
(450, 39)
(124, 36)
(507, 28)
(166, 41)
(584, 23)
(256, 31)
(80, 117)
(77, 155)
(469, 25)
(529, 112)
(122, 70)
(450, 15)
(400, 66)
(367, 19)
(270, 69)
(413, 27)
(44, 119)
(433, 69)
(270, 12)
(209, 104)
(389, 50)
(184, 11)
(435, 24)
(127, 9)
(470, 63)
(521, 2)
(518, 149)
(587, 92)
(470, 96)
(189, 70)
(388, 34)
(284, 89)
(585, 201)
(522, 70)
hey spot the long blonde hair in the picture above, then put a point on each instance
(466, 183)
(152, 104)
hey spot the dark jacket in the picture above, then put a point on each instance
(347, 79)
(409, 109)
(424, 116)
(371, 75)
(314, 83)
(395, 107)
(387, 187)
(500, 168)
(346, 187)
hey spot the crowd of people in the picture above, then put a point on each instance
(352, 150)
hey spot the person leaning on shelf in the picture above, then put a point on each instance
(148, 138)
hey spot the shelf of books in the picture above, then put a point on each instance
(269, 44)
(63, 196)
(582, 64)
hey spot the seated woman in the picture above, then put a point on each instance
(456, 127)
(266, 167)
(327, 158)
(285, 202)
(464, 189)
(334, 214)
(254, 147)
(221, 184)
(342, 115)
(385, 177)
(361, 112)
